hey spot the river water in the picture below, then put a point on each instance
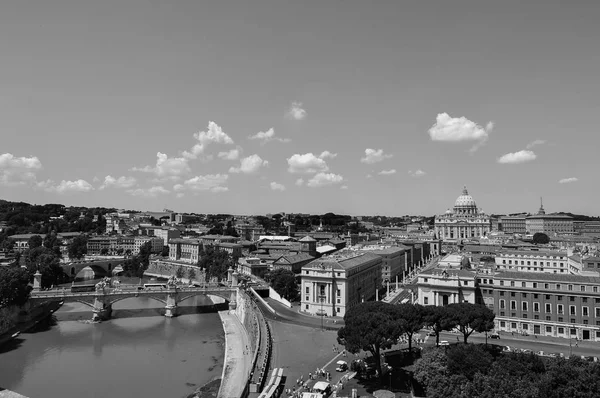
(138, 353)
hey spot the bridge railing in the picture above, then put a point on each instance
(128, 290)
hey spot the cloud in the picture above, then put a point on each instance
(344, 187)
(213, 135)
(456, 129)
(416, 174)
(121, 182)
(327, 154)
(65, 186)
(324, 179)
(267, 136)
(300, 182)
(374, 156)
(250, 164)
(296, 111)
(534, 143)
(517, 157)
(277, 187)
(307, 163)
(210, 182)
(18, 170)
(568, 180)
(151, 192)
(369, 176)
(166, 166)
(387, 172)
(232, 154)
(180, 195)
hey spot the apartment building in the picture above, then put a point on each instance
(548, 304)
(188, 250)
(548, 261)
(444, 285)
(513, 224)
(333, 284)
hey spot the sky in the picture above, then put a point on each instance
(254, 107)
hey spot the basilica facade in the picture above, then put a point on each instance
(464, 221)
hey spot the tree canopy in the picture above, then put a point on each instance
(215, 261)
(439, 318)
(471, 318)
(14, 286)
(370, 326)
(283, 282)
(540, 238)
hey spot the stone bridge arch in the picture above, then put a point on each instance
(225, 295)
(161, 298)
(102, 267)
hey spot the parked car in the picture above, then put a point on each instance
(494, 336)
(342, 366)
(444, 343)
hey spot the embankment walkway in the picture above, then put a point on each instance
(238, 359)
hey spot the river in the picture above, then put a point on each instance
(137, 353)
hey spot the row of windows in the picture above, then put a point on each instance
(548, 308)
(556, 286)
(534, 263)
(548, 328)
(548, 297)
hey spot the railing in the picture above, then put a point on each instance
(118, 291)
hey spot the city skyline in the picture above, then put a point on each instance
(267, 106)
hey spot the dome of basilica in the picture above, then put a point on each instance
(465, 200)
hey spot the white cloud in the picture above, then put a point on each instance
(327, 154)
(166, 166)
(534, 143)
(387, 172)
(250, 164)
(180, 195)
(456, 129)
(369, 176)
(517, 157)
(308, 163)
(417, 173)
(300, 182)
(277, 187)
(151, 192)
(296, 111)
(232, 154)
(213, 135)
(568, 180)
(18, 170)
(121, 182)
(210, 182)
(267, 136)
(65, 186)
(374, 156)
(344, 187)
(324, 179)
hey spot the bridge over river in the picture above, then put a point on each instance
(102, 299)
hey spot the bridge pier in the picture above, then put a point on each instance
(102, 310)
(171, 307)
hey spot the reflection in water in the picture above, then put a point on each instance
(150, 356)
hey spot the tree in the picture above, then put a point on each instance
(439, 319)
(370, 326)
(410, 318)
(540, 238)
(215, 261)
(165, 251)
(144, 258)
(47, 263)
(77, 248)
(191, 274)
(472, 318)
(120, 251)
(7, 245)
(179, 272)
(283, 282)
(52, 242)
(104, 251)
(35, 241)
(14, 286)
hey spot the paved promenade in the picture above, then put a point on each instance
(238, 361)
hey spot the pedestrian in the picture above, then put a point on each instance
(457, 340)
(310, 375)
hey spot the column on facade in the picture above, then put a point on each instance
(435, 298)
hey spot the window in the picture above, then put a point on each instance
(513, 305)
(536, 296)
(501, 283)
(572, 310)
(548, 318)
(571, 298)
(548, 308)
(524, 305)
(584, 299)
(559, 308)
(512, 283)
(582, 288)
(524, 315)
(425, 300)
(584, 311)
(528, 262)
(547, 297)
(597, 312)
(536, 307)
(524, 295)
(425, 280)
(559, 298)
(560, 318)
(502, 324)
(306, 304)
(536, 317)
(561, 330)
(503, 305)
(535, 285)
(307, 289)
(523, 284)
(548, 329)
(513, 325)
(339, 292)
(337, 309)
(466, 283)
(512, 294)
(558, 286)
(502, 293)
(570, 287)
(595, 289)
(307, 298)
(306, 272)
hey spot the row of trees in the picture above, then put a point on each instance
(374, 326)
(284, 283)
(475, 371)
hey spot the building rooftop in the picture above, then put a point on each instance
(307, 239)
(343, 261)
(451, 272)
(295, 258)
(539, 253)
